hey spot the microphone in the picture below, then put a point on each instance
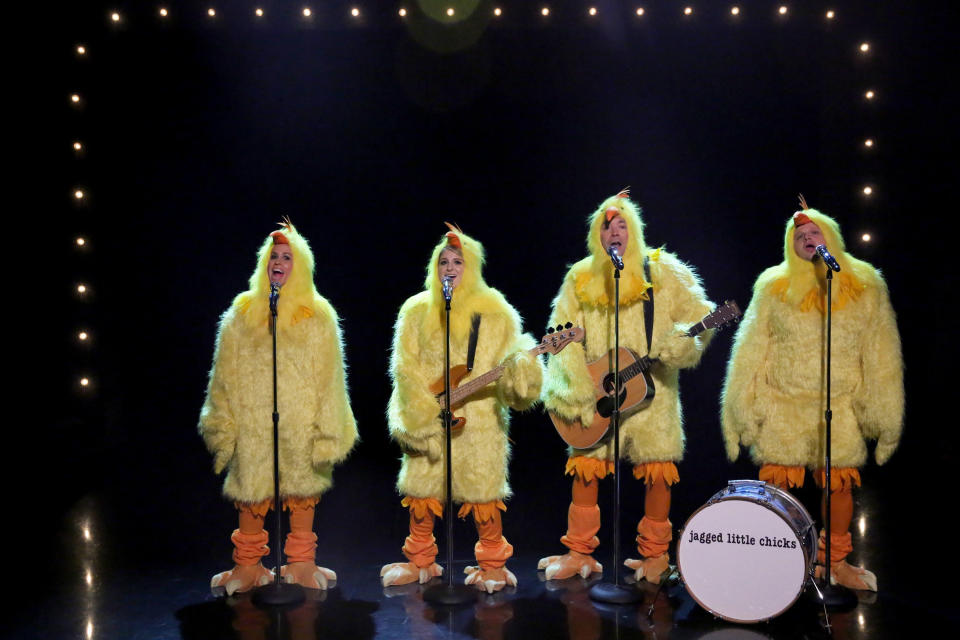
(447, 288)
(615, 257)
(828, 259)
(274, 295)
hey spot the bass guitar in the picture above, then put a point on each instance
(553, 343)
(636, 384)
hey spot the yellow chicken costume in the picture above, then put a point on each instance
(316, 427)
(652, 438)
(481, 450)
(774, 393)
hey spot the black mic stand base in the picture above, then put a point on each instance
(833, 597)
(615, 593)
(450, 595)
(278, 594)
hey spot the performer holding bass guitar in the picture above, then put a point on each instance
(651, 439)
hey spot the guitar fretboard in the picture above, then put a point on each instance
(467, 389)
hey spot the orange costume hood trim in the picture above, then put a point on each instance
(299, 298)
(593, 279)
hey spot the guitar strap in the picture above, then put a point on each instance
(474, 336)
(648, 304)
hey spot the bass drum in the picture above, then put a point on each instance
(746, 554)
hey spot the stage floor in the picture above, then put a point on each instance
(114, 567)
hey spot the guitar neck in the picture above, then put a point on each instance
(467, 389)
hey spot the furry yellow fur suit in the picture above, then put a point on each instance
(774, 393)
(586, 299)
(481, 450)
(317, 428)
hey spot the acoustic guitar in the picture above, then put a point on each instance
(636, 384)
(553, 343)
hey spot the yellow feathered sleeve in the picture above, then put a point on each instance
(412, 413)
(217, 426)
(746, 397)
(567, 385)
(519, 388)
(682, 289)
(335, 429)
(879, 402)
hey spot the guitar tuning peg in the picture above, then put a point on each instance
(569, 325)
(559, 327)
(550, 330)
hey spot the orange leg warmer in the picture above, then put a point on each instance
(655, 531)
(420, 547)
(583, 516)
(492, 549)
(301, 543)
(250, 539)
(841, 515)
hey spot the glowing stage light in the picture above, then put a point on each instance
(868, 142)
(84, 382)
(75, 98)
(115, 16)
(868, 191)
(163, 12)
(402, 12)
(81, 241)
(81, 50)
(78, 194)
(89, 630)
(81, 289)
(640, 11)
(866, 238)
(83, 335)
(870, 95)
(307, 12)
(782, 10)
(498, 12)
(864, 47)
(258, 12)
(831, 14)
(592, 11)
(77, 146)
(688, 11)
(450, 12)
(735, 11)
(545, 11)
(355, 12)
(212, 12)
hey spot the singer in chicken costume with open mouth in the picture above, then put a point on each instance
(316, 426)
(481, 450)
(651, 438)
(774, 395)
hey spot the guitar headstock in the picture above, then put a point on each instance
(722, 316)
(557, 339)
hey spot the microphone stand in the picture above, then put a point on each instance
(448, 594)
(834, 596)
(278, 593)
(604, 591)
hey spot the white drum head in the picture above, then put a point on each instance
(741, 561)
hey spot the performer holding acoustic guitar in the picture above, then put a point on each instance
(651, 434)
